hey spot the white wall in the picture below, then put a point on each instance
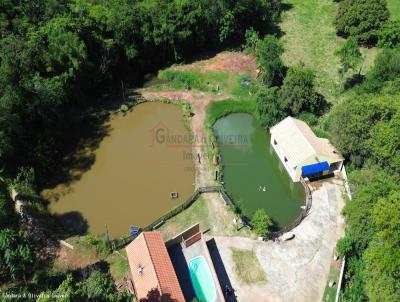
(292, 173)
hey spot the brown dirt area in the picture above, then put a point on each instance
(234, 62)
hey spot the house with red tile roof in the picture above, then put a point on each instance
(151, 267)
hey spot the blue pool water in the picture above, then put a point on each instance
(202, 280)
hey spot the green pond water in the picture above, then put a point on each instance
(253, 174)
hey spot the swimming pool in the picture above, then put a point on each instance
(202, 280)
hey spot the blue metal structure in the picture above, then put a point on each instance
(315, 168)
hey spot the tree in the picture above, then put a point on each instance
(299, 93)
(252, 38)
(16, 253)
(268, 56)
(389, 35)
(270, 109)
(7, 214)
(382, 257)
(350, 56)
(262, 223)
(100, 287)
(384, 143)
(352, 129)
(361, 19)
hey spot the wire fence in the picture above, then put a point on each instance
(118, 243)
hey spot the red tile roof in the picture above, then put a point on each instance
(151, 267)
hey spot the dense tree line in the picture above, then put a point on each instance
(56, 57)
(365, 128)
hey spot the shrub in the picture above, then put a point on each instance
(361, 19)
(262, 223)
(350, 56)
(389, 35)
(252, 38)
(309, 118)
(268, 56)
(269, 108)
(299, 93)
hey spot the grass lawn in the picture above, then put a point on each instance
(247, 267)
(310, 37)
(330, 292)
(212, 215)
(394, 8)
(196, 213)
(85, 254)
(222, 83)
(82, 255)
(119, 264)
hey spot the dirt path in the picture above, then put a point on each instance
(199, 102)
(297, 270)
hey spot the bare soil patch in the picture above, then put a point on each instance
(234, 62)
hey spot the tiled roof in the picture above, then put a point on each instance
(151, 267)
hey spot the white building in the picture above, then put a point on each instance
(302, 152)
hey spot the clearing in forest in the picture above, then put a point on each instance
(310, 38)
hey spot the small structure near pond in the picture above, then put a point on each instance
(301, 152)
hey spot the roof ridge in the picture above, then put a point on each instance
(294, 120)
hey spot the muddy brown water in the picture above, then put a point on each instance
(144, 158)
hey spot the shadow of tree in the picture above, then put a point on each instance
(85, 272)
(354, 80)
(155, 296)
(72, 223)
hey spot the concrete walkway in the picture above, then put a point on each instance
(296, 270)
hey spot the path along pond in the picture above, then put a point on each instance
(253, 175)
(144, 157)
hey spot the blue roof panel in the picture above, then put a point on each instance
(315, 168)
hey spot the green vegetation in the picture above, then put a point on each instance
(389, 35)
(268, 54)
(261, 223)
(350, 56)
(310, 38)
(98, 287)
(270, 108)
(330, 292)
(219, 109)
(299, 93)
(56, 59)
(365, 129)
(247, 267)
(361, 19)
(221, 83)
(394, 9)
(196, 213)
(363, 124)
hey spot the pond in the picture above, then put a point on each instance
(252, 173)
(135, 170)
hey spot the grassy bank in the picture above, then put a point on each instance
(220, 109)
